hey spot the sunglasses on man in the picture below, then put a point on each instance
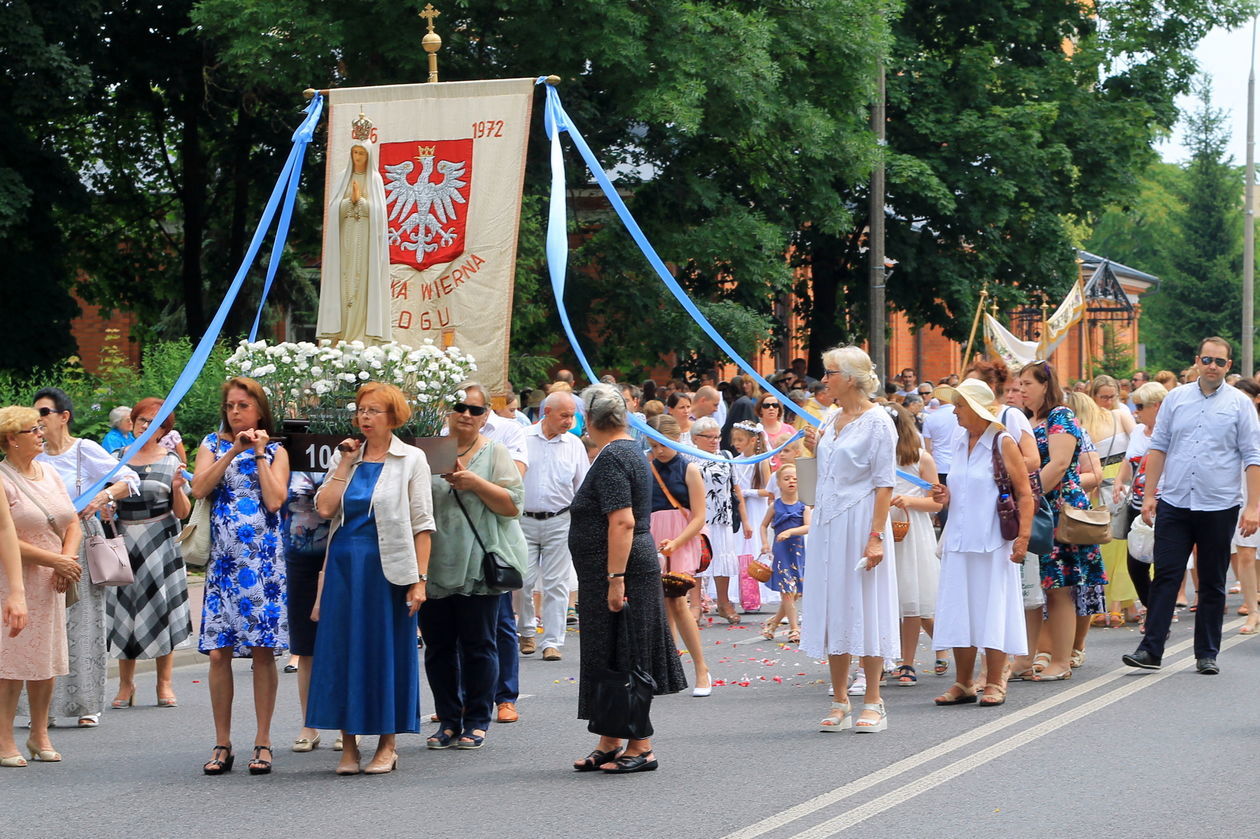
(45, 411)
(1209, 360)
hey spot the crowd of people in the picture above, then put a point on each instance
(990, 511)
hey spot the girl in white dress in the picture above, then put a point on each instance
(918, 569)
(980, 601)
(724, 508)
(850, 603)
(753, 480)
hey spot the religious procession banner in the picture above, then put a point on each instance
(1001, 342)
(423, 195)
(1064, 318)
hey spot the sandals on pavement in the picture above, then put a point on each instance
(863, 726)
(768, 628)
(645, 762)
(906, 676)
(259, 766)
(219, 765)
(794, 636)
(941, 667)
(993, 695)
(596, 759)
(840, 718)
(963, 697)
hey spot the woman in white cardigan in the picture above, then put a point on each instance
(365, 678)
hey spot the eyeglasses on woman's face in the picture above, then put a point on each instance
(34, 429)
(370, 412)
(706, 436)
(465, 408)
(139, 421)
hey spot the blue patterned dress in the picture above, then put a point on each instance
(1079, 566)
(245, 602)
(789, 555)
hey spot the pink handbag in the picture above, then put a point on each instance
(749, 589)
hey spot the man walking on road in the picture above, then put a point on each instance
(1207, 435)
(559, 464)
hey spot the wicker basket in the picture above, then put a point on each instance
(900, 529)
(677, 583)
(759, 571)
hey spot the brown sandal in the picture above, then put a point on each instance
(998, 697)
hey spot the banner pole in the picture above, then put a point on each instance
(971, 339)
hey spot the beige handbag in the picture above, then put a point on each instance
(1083, 527)
(194, 539)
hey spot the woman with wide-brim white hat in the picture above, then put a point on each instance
(980, 598)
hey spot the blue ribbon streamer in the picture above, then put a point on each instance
(301, 139)
(200, 355)
(557, 120)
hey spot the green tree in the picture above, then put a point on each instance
(1201, 292)
(1007, 122)
(42, 84)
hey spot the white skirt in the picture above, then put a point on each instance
(980, 602)
(918, 569)
(726, 549)
(846, 610)
(1241, 541)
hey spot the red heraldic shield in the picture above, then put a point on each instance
(426, 199)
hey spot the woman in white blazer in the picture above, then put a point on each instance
(365, 678)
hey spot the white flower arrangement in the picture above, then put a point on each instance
(317, 382)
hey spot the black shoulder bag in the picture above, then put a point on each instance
(499, 574)
(621, 700)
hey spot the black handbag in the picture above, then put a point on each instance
(621, 700)
(1041, 540)
(737, 521)
(499, 574)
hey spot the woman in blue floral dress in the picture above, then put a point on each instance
(1072, 575)
(246, 478)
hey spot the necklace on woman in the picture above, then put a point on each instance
(472, 446)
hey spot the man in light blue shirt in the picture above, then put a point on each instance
(1206, 436)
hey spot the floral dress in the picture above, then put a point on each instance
(245, 601)
(1080, 566)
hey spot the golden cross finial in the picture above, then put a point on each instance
(429, 14)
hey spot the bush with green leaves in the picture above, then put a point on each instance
(117, 382)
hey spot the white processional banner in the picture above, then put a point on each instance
(1069, 313)
(1001, 342)
(452, 158)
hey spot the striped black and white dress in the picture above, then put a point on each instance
(150, 617)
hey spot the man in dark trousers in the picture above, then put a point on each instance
(1206, 436)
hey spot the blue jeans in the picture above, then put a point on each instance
(509, 686)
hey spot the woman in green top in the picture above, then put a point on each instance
(458, 620)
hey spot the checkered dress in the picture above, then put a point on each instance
(150, 617)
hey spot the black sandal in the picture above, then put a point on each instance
(643, 762)
(596, 759)
(218, 765)
(258, 766)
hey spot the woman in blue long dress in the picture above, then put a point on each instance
(365, 677)
(246, 478)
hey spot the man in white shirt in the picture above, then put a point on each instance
(939, 426)
(1207, 435)
(559, 466)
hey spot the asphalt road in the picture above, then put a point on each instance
(1113, 752)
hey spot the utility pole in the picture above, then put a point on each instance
(879, 308)
(1249, 223)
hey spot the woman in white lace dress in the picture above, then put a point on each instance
(850, 604)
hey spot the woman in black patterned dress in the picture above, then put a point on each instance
(615, 558)
(150, 617)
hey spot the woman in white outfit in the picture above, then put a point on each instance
(918, 569)
(724, 509)
(980, 601)
(850, 599)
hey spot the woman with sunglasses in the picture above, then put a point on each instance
(770, 412)
(245, 476)
(49, 534)
(81, 463)
(476, 509)
(365, 676)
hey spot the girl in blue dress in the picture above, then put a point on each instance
(788, 517)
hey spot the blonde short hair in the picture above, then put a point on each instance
(1151, 393)
(15, 419)
(854, 364)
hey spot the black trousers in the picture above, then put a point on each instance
(1177, 532)
(461, 658)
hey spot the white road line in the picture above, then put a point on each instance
(960, 741)
(885, 802)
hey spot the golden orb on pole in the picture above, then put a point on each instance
(432, 42)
